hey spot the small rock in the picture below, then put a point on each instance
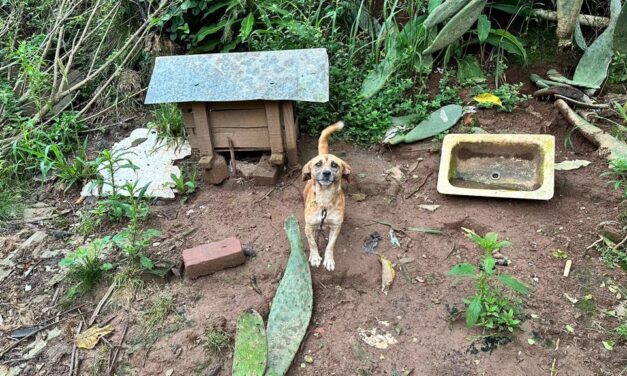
(309, 359)
(214, 369)
(267, 216)
(420, 280)
(28, 288)
(61, 234)
(52, 253)
(249, 251)
(406, 260)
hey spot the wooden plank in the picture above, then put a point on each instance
(291, 133)
(273, 116)
(237, 105)
(203, 128)
(252, 118)
(242, 138)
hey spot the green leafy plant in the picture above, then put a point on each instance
(618, 69)
(621, 331)
(618, 174)
(85, 267)
(613, 255)
(185, 187)
(489, 307)
(134, 240)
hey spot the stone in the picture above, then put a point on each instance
(33, 241)
(245, 169)
(37, 211)
(219, 170)
(265, 173)
(212, 257)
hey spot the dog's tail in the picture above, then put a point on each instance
(323, 141)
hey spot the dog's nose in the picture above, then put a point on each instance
(326, 174)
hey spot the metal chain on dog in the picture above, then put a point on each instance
(324, 216)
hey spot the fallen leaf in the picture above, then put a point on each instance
(609, 345)
(559, 254)
(571, 299)
(430, 208)
(35, 348)
(90, 337)
(395, 173)
(387, 273)
(488, 98)
(358, 196)
(571, 165)
(380, 341)
(531, 341)
(534, 316)
(570, 329)
(308, 359)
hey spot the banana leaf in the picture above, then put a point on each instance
(443, 11)
(438, 122)
(291, 307)
(376, 78)
(579, 38)
(593, 65)
(507, 41)
(554, 75)
(457, 26)
(251, 347)
(469, 70)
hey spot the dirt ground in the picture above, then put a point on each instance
(415, 313)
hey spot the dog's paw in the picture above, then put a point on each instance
(329, 264)
(315, 260)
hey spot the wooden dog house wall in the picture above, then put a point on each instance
(243, 125)
(241, 100)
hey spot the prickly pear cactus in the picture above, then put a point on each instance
(444, 11)
(436, 123)
(251, 346)
(291, 307)
(457, 26)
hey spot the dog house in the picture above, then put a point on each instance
(241, 101)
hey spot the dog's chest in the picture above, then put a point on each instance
(331, 217)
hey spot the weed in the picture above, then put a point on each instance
(185, 187)
(621, 331)
(618, 174)
(618, 69)
(509, 94)
(162, 305)
(168, 122)
(489, 307)
(612, 255)
(85, 266)
(217, 341)
(10, 203)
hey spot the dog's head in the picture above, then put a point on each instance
(326, 169)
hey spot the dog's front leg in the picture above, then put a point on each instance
(314, 255)
(329, 262)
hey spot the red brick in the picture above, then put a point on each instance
(210, 258)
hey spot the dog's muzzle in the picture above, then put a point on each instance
(325, 177)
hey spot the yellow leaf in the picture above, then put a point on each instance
(387, 273)
(488, 98)
(90, 337)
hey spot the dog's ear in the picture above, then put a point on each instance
(307, 171)
(347, 170)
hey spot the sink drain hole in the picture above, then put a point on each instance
(495, 175)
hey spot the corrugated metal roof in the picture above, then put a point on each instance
(300, 75)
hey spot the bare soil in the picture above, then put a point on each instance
(415, 313)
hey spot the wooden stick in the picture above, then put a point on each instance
(101, 304)
(74, 348)
(594, 134)
(584, 19)
(424, 181)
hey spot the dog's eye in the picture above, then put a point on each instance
(333, 164)
(319, 163)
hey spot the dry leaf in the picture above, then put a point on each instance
(488, 98)
(387, 273)
(380, 341)
(90, 337)
(395, 173)
(358, 196)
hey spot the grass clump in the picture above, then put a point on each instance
(167, 120)
(217, 341)
(162, 305)
(85, 266)
(490, 307)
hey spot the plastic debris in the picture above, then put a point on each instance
(430, 208)
(371, 243)
(393, 239)
(571, 165)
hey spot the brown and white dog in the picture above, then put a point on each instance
(324, 198)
